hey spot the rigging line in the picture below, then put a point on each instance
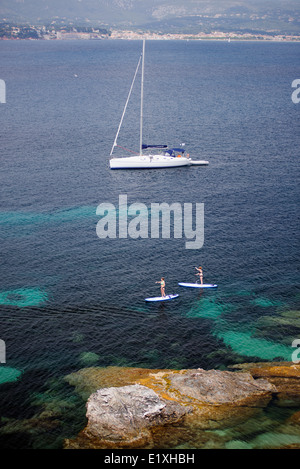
(126, 149)
(128, 97)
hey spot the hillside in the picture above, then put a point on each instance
(280, 16)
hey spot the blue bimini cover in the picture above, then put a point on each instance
(171, 151)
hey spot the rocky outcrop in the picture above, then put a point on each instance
(284, 376)
(124, 415)
(164, 408)
(215, 387)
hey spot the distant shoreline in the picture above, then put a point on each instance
(31, 32)
(195, 39)
(210, 39)
(201, 36)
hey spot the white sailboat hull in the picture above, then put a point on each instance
(153, 162)
(148, 162)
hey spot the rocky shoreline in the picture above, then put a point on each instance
(145, 409)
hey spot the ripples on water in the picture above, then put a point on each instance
(70, 300)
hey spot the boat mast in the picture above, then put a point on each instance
(142, 99)
(126, 104)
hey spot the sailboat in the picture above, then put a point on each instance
(149, 156)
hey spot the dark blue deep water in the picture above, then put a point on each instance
(69, 300)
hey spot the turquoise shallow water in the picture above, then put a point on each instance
(23, 297)
(69, 300)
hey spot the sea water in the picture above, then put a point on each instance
(69, 300)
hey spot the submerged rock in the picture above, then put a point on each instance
(284, 376)
(88, 380)
(281, 327)
(9, 375)
(88, 358)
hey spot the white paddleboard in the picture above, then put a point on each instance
(198, 285)
(162, 298)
